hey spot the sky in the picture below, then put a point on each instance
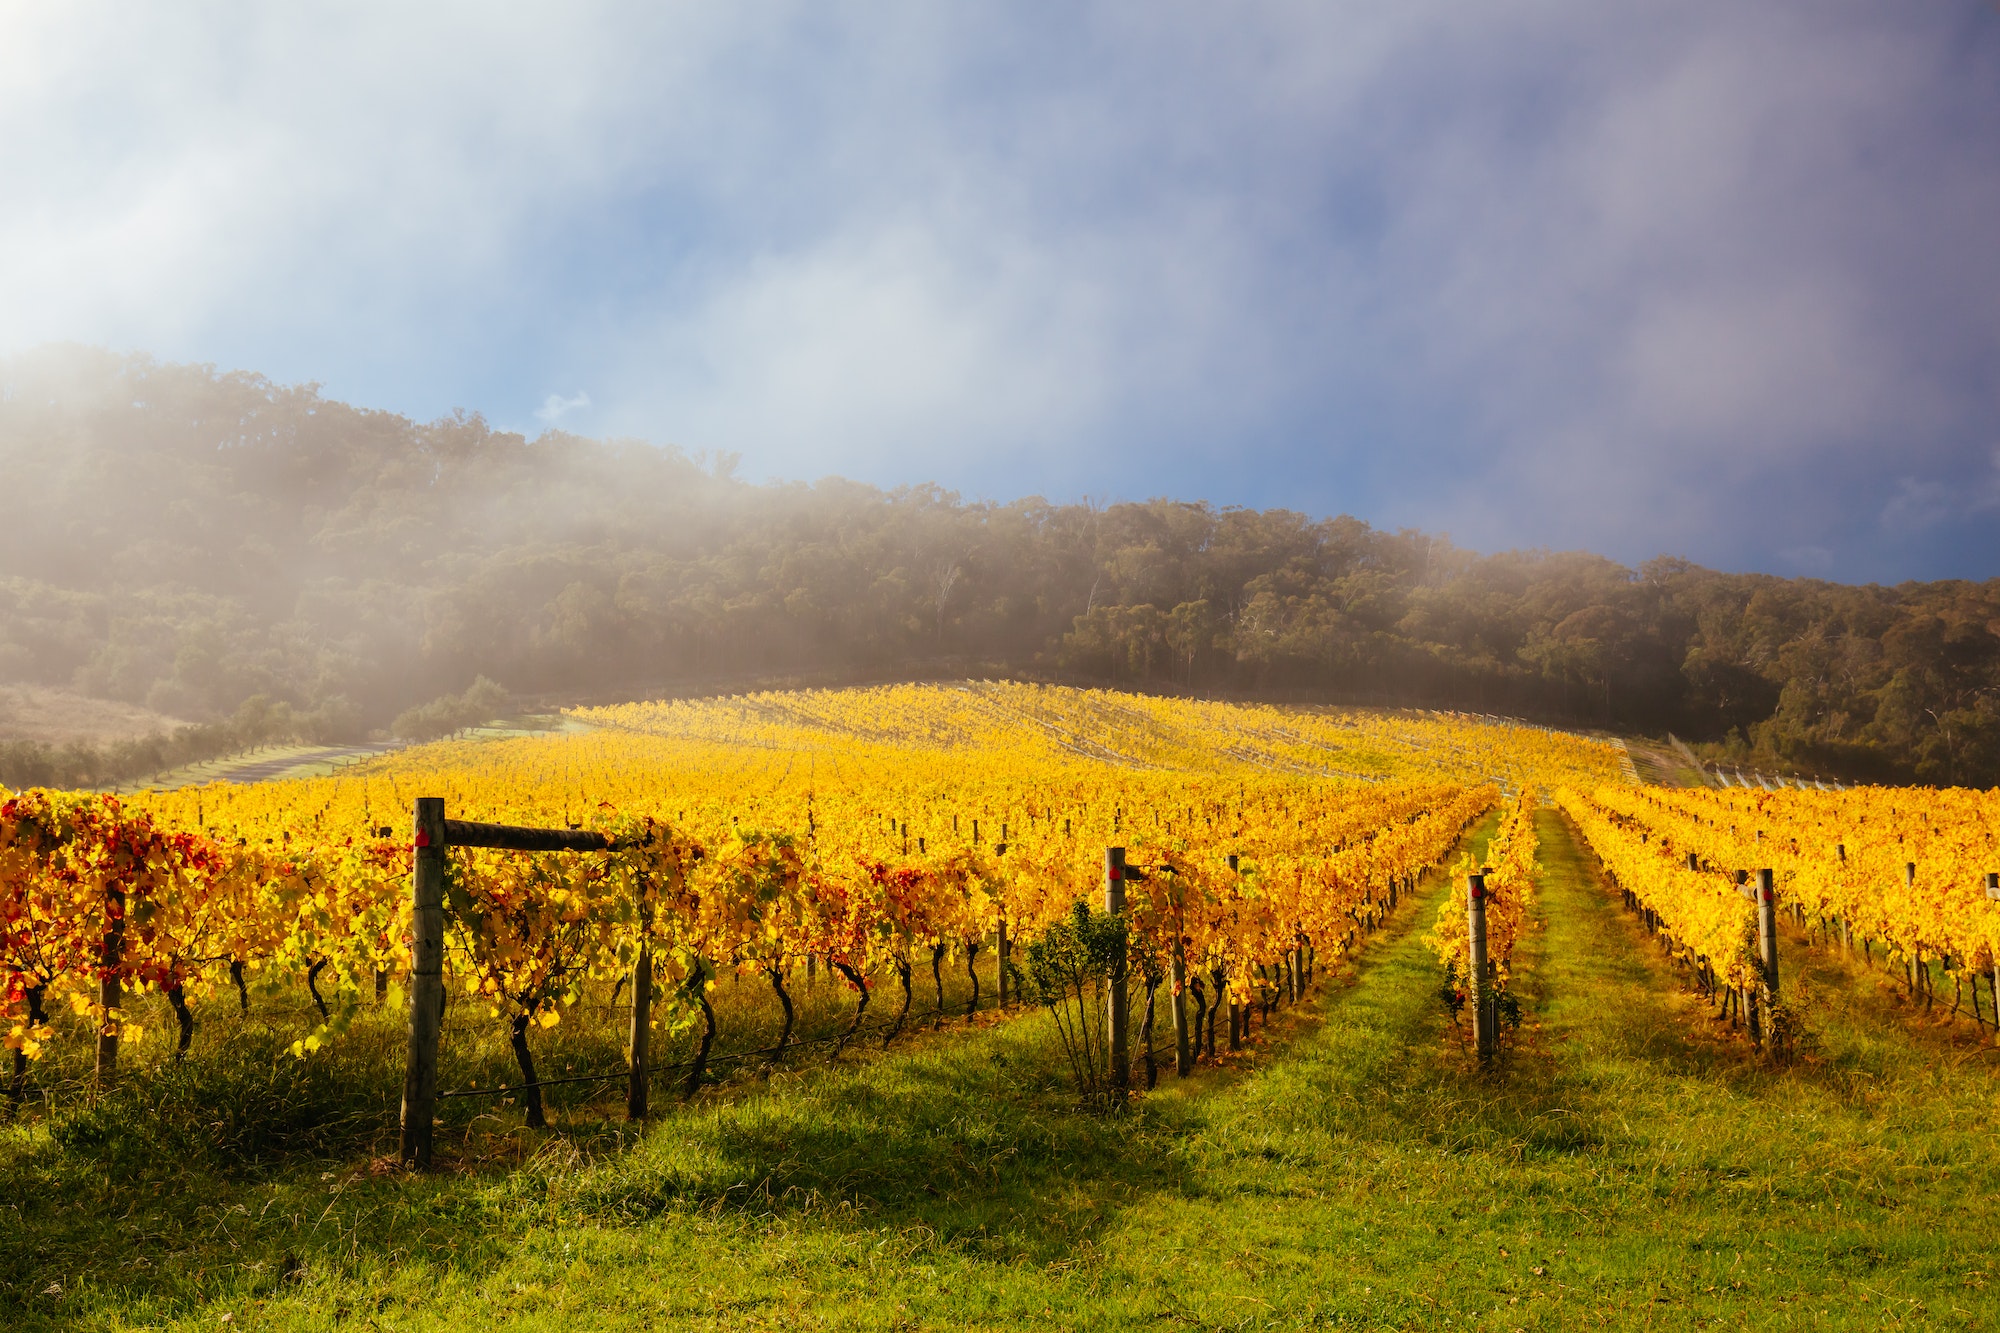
(1705, 279)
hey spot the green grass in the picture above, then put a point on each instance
(1627, 1165)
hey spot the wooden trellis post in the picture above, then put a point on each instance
(1475, 929)
(1846, 926)
(1177, 977)
(1115, 1015)
(640, 1074)
(110, 992)
(433, 833)
(1767, 934)
(1006, 951)
(1239, 1007)
(1993, 891)
(1003, 947)
(426, 981)
(1915, 967)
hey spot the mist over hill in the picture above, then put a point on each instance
(215, 546)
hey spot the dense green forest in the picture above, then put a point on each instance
(203, 543)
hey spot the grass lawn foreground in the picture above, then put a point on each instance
(1627, 1165)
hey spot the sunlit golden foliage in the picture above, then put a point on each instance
(1509, 866)
(864, 828)
(1903, 866)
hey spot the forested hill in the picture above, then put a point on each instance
(187, 540)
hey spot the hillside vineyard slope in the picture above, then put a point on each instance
(184, 539)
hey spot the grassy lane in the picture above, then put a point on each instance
(1625, 1167)
(1668, 1178)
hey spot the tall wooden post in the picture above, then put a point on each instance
(1239, 1011)
(1993, 891)
(1177, 981)
(1846, 926)
(426, 981)
(1767, 933)
(1920, 977)
(1004, 950)
(110, 991)
(1475, 929)
(640, 1079)
(1177, 978)
(1116, 1018)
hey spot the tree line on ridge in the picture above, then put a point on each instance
(205, 543)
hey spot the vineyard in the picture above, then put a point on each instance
(884, 836)
(974, 942)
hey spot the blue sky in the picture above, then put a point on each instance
(1709, 279)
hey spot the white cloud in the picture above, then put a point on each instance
(1924, 504)
(241, 165)
(1606, 278)
(1919, 505)
(870, 349)
(555, 407)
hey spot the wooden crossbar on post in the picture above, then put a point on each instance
(510, 838)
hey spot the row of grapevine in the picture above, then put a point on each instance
(1708, 920)
(198, 910)
(1902, 870)
(1053, 726)
(1506, 878)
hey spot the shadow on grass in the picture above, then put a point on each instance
(972, 1139)
(223, 1177)
(977, 1139)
